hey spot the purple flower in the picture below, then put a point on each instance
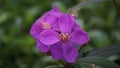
(62, 41)
(47, 21)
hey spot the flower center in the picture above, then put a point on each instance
(46, 25)
(65, 37)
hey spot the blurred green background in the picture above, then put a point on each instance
(18, 48)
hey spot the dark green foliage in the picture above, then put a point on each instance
(96, 62)
(105, 51)
(54, 66)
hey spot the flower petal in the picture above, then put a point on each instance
(70, 52)
(79, 37)
(55, 8)
(56, 12)
(49, 37)
(50, 19)
(41, 47)
(56, 51)
(77, 26)
(36, 29)
(65, 23)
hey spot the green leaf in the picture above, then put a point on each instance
(99, 37)
(4, 16)
(54, 66)
(86, 62)
(105, 51)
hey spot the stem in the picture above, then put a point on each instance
(66, 65)
(69, 65)
(62, 63)
(86, 3)
(116, 7)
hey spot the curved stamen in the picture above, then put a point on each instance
(46, 25)
(65, 37)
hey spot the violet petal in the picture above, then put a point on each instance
(70, 52)
(41, 47)
(79, 37)
(65, 23)
(49, 37)
(36, 29)
(56, 51)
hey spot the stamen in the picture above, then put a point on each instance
(65, 37)
(46, 25)
(73, 14)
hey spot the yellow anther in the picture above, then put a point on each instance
(73, 14)
(64, 37)
(46, 25)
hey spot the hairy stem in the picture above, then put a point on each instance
(62, 63)
(116, 7)
(86, 3)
